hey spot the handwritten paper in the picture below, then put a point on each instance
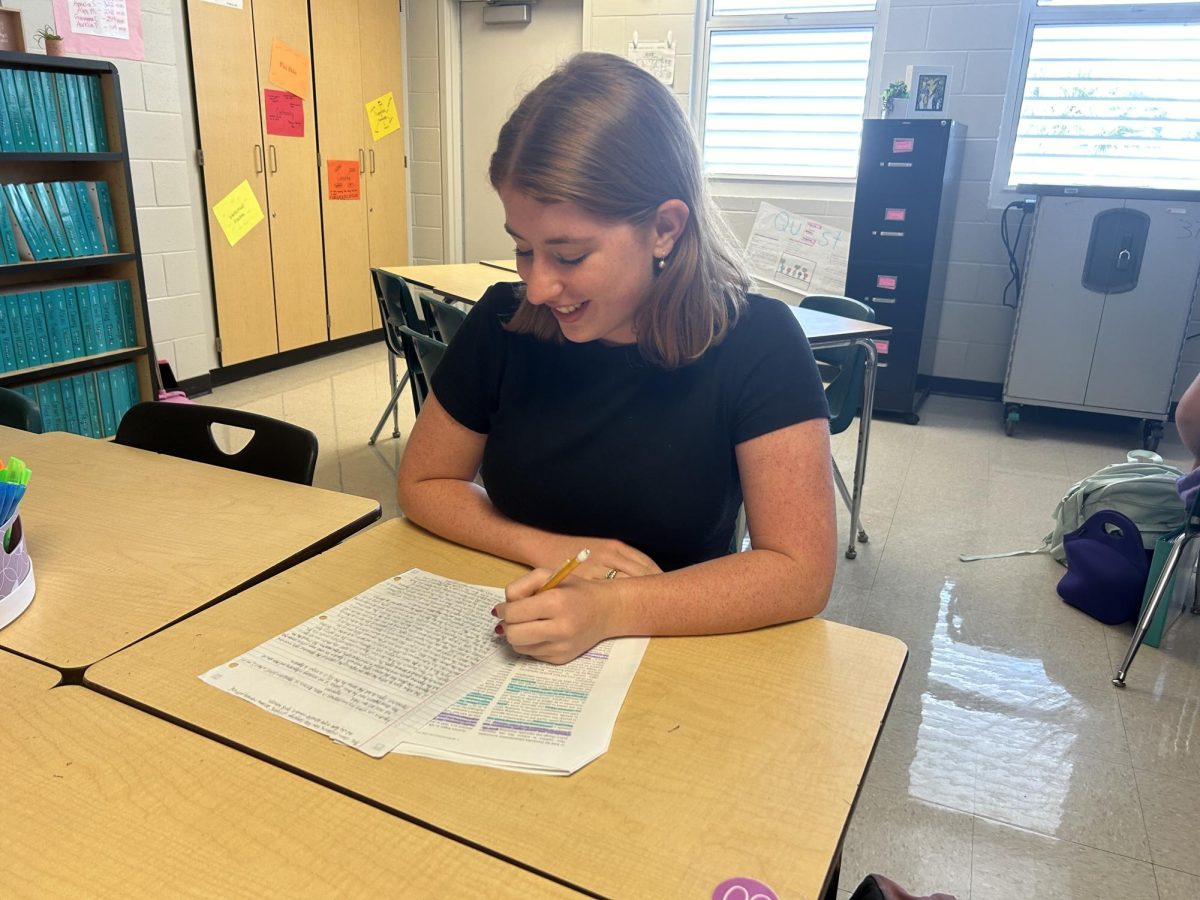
(343, 179)
(381, 113)
(238, 212)
(289, 69)
(413, 665)
(285, 113)
(797, 253)
(111, 28)
(656, 57)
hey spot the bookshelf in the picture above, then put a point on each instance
(49, 381)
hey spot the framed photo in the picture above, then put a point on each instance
(928, 90)
(11, 36)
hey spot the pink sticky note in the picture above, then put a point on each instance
(903, 145)
(895, 215)
(285, 113)
(885, 282)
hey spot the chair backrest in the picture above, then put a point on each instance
(429, 353)
(277, 449)
(446, 317)
(398, 311)
(844, 393)
(18, 411)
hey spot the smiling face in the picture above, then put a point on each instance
(593, 274)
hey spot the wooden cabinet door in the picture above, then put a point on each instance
(387, 196)
(226, 83)
(293, 191)
(340, 114)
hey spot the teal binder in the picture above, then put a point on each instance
(119, 384)
(33, 344)
(93, 400)
(70, 411)
(93, 331)
(74, 322)
(54, 305)
(16, 95)
(8, 356)
(7, 144)
(33, 226)
(128, 323)
(41, 115)
(68, 212)
(97, 110)
(109, 223)
(131, 378)
(7, 238)
(64, 112)
(90, 215)
(49, 210)
(12, 312)
(57, 143)
(108, 413)
(50, 401)
(37, 315)
(76, 110)
(83, 409)
(110, 315)
(24, 232)
(83, 102)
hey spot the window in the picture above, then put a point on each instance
(785, 87)
(1109, 96)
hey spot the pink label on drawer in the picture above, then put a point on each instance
(895, 215)
(886, 282)
(881, 346)
(903, 145)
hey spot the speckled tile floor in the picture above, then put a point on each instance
(1009, 767)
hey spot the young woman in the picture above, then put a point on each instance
(629, 396)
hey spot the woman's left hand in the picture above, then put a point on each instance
(560, 624)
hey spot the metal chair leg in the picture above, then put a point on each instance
(1156, 597)
(389, 409)
(845, 492)
(395, 407)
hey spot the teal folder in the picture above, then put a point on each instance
(83, 102)
(68, 212)
(90, 215)
(108, 413)
(76, 110)
(128, 323)
(7, 143)
(33, 226)
(25, 232)
(49, 210)
(107, 221)
(37, 315)
(83, 406)
(12, 312)
(33, 344)
(70, 412)
(97, 109)
(93, 400)
(110, 315)
(58, 145)
(54, 305)
(74, 322)
(50, 400)
(64, 112)
(8, 356)
(41, 115)
(93, 333)
(16, 95)
(131, 378)
(7, 238)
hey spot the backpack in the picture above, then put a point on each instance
(1145, 492)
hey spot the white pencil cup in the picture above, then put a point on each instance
(16, 573)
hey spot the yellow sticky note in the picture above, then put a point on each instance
(238, 212)
(381, 113)
(289, 69)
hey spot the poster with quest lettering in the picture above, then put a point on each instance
(797, 253)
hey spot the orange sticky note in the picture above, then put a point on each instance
(343, 179)
(289, 69)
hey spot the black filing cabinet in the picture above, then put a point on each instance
(900, 242)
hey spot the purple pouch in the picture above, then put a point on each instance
(1106, 568)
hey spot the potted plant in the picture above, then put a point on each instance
(50, 39)
(897, 90)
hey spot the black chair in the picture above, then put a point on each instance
(445, 317)
(277, 449)
(397, 310)
(18, 411)
(429, 352)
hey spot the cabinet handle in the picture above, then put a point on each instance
(258, 159)
(274, 159)
(372, 151)
(362, 161)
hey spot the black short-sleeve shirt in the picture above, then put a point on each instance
(590, 439)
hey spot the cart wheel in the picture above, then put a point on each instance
(1012, 415)
(1009, 426)
(1151, 435)
(912, 419)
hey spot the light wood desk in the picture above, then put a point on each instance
(100, 799)
(509, 265)
(124, 541)
(733, 755)
(458, 281)
(20, 678)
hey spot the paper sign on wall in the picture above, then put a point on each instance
(797, 253)
(343, 179)
(285, 113)
(238, 212)
(656, 57)
(381, 113)
(111, 28)
(289, 69)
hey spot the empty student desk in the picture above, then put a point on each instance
(124, 541)
(458, 281)
(733, 755)
(100, 799)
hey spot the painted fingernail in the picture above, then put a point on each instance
(500, 629)
(493, 610)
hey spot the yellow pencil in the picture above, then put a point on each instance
(564, 570)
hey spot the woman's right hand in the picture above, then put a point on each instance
(606, 554)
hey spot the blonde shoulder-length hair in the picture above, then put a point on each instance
(607, 136)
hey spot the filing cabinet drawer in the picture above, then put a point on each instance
(898, 294)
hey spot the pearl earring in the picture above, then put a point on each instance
(662, 263)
